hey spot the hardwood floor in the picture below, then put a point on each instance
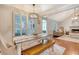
(38, 48)
(72, 48)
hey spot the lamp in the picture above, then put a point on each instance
(35, 15)
(75, 15)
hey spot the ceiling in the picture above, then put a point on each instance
(58, 12)
(38, 7)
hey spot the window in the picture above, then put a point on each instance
(44, 25)
(17, 25)
(32, 23)
(20, 25)
(23, 25)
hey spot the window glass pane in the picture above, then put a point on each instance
(35, 26)
(44, 25)
(23, 25)
(17, 25)
(29, 26)
(32, 24)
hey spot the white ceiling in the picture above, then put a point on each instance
(38, 7)
(58, 12)
(62, 16)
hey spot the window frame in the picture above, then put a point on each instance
(35, 20)
(45, 19)
(14, 23)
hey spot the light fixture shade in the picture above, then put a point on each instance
(76, 17)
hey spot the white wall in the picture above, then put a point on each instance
(6, 29)
(49, 26)
(67, 23)
(6, 23)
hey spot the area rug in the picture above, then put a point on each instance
(58, 50)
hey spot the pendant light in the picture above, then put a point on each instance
(33, 8)
(35, 14)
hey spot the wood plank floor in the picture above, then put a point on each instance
(72, 48)
(38, 48)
